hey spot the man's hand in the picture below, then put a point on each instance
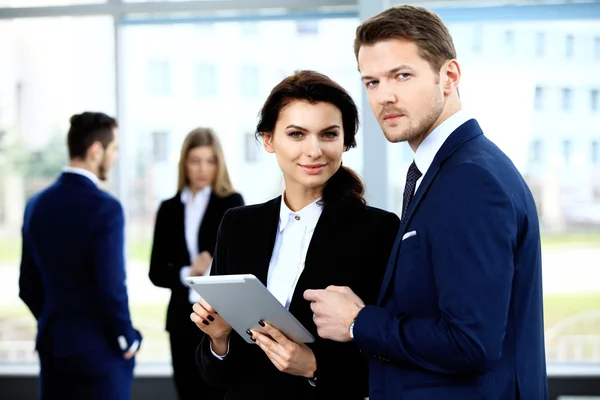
(334, 310)
(201, 264)
(129, 354)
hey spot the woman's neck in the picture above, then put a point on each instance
(297, 197)
(195, 190)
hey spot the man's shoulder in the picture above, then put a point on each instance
(103, 201)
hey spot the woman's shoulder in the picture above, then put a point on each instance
(171, 202)
(379, 213)
(373, 219)
(233, 197)
(253, 212)
(366, 211)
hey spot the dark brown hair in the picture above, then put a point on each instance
(88, 128)
(314, 87)
(417, 24)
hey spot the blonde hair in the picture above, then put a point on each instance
(205, 137)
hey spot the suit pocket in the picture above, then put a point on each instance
(410, 243)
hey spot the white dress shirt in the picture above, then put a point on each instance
(83, 172)
(294, 233)
(435, 140)
(194, 210)
(92, 177)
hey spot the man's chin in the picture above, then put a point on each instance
(395, 137)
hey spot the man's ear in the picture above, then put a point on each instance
(94, 152)
(451, 76)
(267, 142)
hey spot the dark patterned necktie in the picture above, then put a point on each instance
(412, 177)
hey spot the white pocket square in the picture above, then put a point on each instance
(409, 234)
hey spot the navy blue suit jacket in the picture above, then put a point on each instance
(73, 269)
(459, 315)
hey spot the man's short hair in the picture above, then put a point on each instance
(416, 24)
(88, 128)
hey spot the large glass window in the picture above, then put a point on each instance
(176, 77)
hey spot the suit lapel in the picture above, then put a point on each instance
(265, 236)
(178, 221)
(461, 135)
(321, 243)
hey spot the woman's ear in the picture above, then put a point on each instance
(268, 142)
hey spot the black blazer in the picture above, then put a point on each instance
(350, 247)
(170, 252)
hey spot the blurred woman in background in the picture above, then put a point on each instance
(184, 241)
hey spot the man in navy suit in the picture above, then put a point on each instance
(73, 273)
(459, 315)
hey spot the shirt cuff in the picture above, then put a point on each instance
(134, 347)
(218, 356)
(123, 344)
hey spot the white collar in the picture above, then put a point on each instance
(435, 140)
(309, 215)
(83, 172)
(188, 196)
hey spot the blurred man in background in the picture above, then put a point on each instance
(73, 273)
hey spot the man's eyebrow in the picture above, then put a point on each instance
(390, 72)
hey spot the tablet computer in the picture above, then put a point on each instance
(242, 301)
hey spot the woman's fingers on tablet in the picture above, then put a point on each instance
(198, 320)
(206, 306)
(201, 314)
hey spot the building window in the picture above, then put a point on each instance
(160, 146)
(206, 80)
(537, 151)
(595, 152)
(307, 26)
(567, 97)
(597, 49)
(539, 98)
(509, 39)
(540, 44)
(252, 151)
(159, 77)
(567, 151)
(594, 99)
(250, 81)
(569, 46)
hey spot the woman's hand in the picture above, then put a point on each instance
(207, 319)
(288, 356)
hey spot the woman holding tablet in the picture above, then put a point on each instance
(318, 233)
(184, 241)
